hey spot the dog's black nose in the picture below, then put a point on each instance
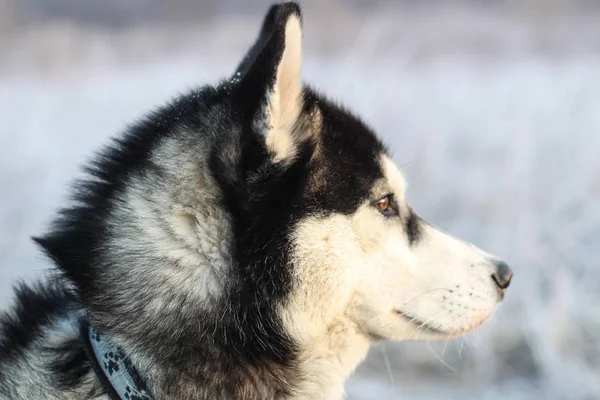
(503, 275)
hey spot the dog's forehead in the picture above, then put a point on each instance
(393, 176)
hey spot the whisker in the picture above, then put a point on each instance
(389, 369)
(421, 325)
(441, 360)
(462, 344)
(424, 293)
(446, 344)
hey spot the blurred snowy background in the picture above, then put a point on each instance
(493, 108)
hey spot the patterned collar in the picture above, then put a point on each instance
(114, 370)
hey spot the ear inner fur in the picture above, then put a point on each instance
(270, 73)
(284, 102)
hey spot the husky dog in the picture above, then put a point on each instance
(246, 241)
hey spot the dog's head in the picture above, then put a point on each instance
(262, 217)
(357, 250)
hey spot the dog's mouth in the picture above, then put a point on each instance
(422, 326)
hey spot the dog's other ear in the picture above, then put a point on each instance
(268, 87)
(264, 35)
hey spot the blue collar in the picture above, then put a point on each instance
(114, 370)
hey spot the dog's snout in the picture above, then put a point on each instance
(503, 275)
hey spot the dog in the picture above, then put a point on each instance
(249, 240)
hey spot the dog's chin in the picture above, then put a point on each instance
(417, 329)
(405, 327)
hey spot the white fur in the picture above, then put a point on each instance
(354, 275)
(284, 100)
(354, 272)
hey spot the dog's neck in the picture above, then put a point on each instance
(319, 370)
(328, 360)
(195, 337)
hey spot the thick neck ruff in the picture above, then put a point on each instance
(114, 370)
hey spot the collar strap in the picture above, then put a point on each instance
(114, 370)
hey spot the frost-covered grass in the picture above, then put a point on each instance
(504, 154)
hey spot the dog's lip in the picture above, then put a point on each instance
(421, 324)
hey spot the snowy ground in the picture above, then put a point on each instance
(505, 154)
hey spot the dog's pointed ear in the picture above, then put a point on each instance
(267, 82)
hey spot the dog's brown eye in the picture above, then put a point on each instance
(383, 204)
(386, 206)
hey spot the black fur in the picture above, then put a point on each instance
(413, 227)
(349, 159)
(78, 232)
(71, 369)
(35, 307)
(264, 200)
(268, 47)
